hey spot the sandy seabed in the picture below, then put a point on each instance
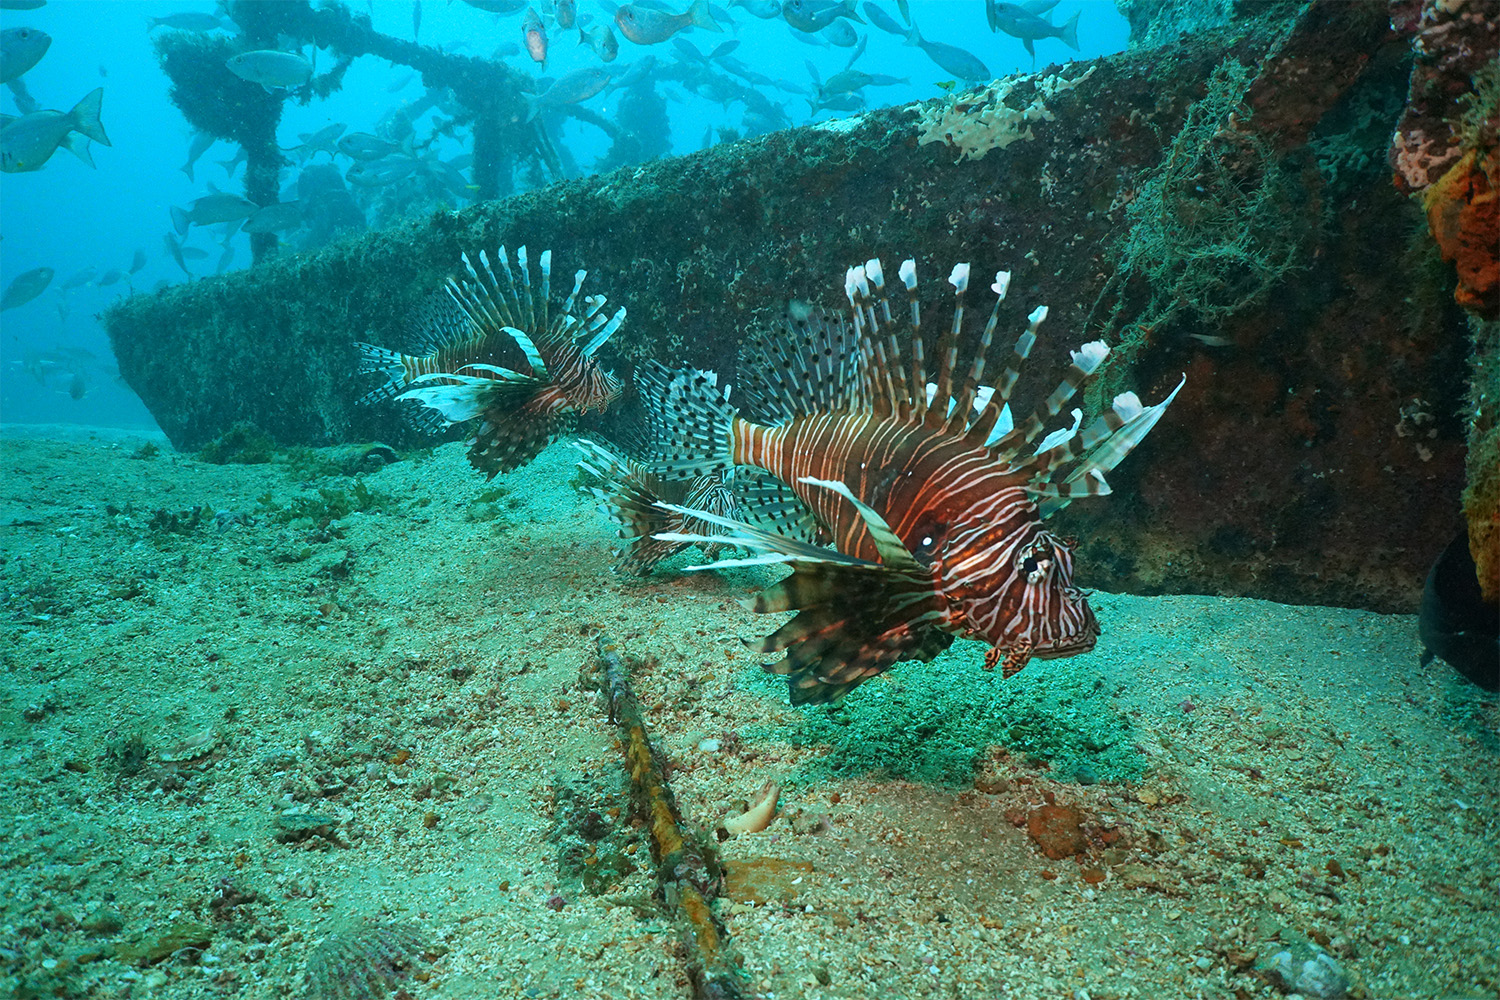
(328, 736)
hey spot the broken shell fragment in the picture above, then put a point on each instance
(760, 813)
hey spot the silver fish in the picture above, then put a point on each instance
(880, 19)
(842, 34)
(579, 85)
(950, 58)
(271, 69)
(364, 146)
(766, 10)
(26, 286)
(1024, 21)
(21, 49)
(113, 276)
(211, 209)
(275, 218)
(645, 26)
(187, 21)
(815, 15)
(138, 261)
(602, 40)
(28, 142)
(196, 148)
(174, 250)
(534, 37)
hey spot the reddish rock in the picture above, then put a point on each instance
(1057, 830)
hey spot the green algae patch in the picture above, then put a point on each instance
(932, 722)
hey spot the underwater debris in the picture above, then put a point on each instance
(760, 813)
(937, 515)
(463, 377)
(687, 868)
(364, 959)
(975, 122)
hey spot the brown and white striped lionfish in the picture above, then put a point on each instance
(464, 376)
(932, 499)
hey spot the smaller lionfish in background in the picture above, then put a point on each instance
(466, 375)
(926, 498)
(646, 504)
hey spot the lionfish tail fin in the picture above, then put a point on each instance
(383, 361)
(628, 495)
(690, 421)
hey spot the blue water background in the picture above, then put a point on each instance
(69, 217)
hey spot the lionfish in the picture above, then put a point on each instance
(631, 495)
(930, 498)
(464, 374)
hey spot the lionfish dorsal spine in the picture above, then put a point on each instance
(893, 552)
(963, 412)
(572, 299)
(918, 381)
(604, 331)
(544, 264)
(936, 417)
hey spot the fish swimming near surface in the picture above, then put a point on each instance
(933, 499)
(26, 286)
(21, 49)
(571, 88)
(211, 209)
(186, 21)
(950, 58)
(468, 372)
(602, 40)
(271, 69)
(646, 26)
(534, 37)
(1025, 21)
(28, 142)
(815, 15)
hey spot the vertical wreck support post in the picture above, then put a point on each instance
(687, 871)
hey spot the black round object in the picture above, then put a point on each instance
(1455, 623)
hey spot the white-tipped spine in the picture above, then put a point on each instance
(1001, 285)
(908, 273)
(959, 278)
(1091, 355)
(875, 273)
(1037, 316)
(851, 284)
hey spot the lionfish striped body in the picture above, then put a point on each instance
(469, 372)
(931, 498)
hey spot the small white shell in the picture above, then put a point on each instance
(760, 813)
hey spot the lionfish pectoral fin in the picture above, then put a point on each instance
(528, 348)
(893, 552)
(1015, 658)
(855, 618)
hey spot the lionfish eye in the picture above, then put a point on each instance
(1029, 565)
(931, 535)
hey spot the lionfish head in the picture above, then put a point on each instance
(1014, 589)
